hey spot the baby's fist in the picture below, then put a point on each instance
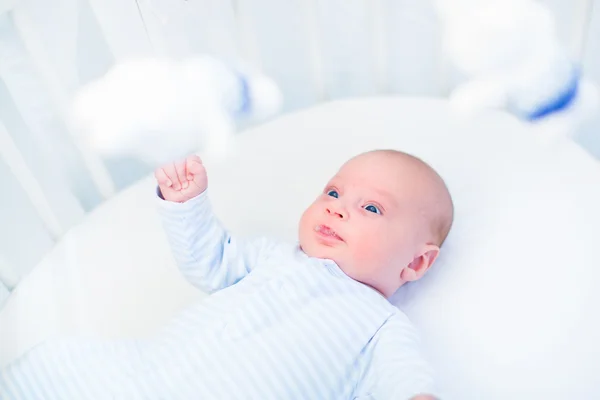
(182, 180)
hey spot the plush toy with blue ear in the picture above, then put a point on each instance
(511, 58)
(158, 110)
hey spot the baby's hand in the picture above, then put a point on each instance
(182, 180)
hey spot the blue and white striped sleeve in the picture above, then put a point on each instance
(397, 370)
(206, 254)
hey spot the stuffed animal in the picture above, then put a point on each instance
(509, 53)
(158, 110)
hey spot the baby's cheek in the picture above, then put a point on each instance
(368, 247)
(307, 223)
(308, 216)
(303, 224)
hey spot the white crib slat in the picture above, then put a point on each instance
(313, 38)
(58, 93)
(8, 275)
(247, 39)
(413, 47)
(4, 293)
(122, 27)
(24, 238)
(346, 47)
(7, 5)
(59, 45)
(591, 50)
(581, 26)
(93, 55)
(570, 17)
(25, 108)
(11, 155)
(182, 28)
(286, 46)
(379, 34)
(210, 27)
(164, 26)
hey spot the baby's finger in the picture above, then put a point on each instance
(181, 174)
(162, 178)
(171, 173)
(194, 167)
(195, 158)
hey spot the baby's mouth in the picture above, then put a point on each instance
(326, 231)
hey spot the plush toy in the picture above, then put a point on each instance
(158, 110)
(509, 53)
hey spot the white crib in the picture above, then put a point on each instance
(509, 311)
(316, 50)
(67, 217)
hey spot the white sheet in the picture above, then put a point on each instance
(503, 315)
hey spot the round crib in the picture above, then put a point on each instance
(315, 50)
(489, 333)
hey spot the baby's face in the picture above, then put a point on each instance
(368, 219)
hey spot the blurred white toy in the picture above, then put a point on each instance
(158, 110)
(509, 52)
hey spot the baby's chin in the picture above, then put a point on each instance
(317, 250)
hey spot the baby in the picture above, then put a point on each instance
(286, 321)
(312, 320)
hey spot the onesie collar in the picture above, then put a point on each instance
(331, 266)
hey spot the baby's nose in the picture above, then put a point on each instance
(337, 212)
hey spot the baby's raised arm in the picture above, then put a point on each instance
(206, 254)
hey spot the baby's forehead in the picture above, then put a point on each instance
(391, 160)
(380, 167)
(404, 178)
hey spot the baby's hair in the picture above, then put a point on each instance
(442, 216)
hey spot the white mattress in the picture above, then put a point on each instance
(113, 275)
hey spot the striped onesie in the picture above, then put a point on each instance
(278, 325)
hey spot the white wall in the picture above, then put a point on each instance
(316, 49)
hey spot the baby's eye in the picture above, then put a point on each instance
(372, 208)
(333, 193)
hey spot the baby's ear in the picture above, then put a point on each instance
(421, 263)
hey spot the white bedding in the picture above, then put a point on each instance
(510, 311)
